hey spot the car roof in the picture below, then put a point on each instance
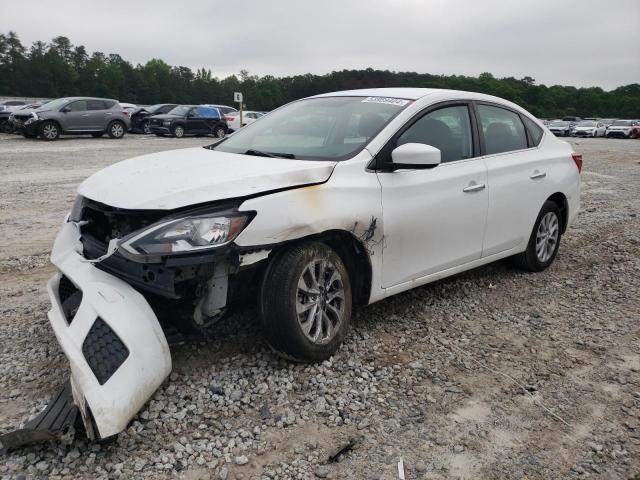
(395, 92)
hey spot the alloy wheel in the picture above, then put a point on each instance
(50, 131)
(547, 237)
(117, 130)
(320, 301)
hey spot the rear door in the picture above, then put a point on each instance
(434, 219)
(195, 121)
(517, 173)
(99, 113)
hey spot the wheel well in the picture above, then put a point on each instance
(559, 199)
(352, 253)
(51, 120)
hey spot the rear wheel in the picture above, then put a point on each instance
(116, 129)
(49, 131)
(178, 131)
(219, 132)
(305, 302)
(544, 241)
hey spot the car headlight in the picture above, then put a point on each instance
(166, 123)
(190, 234)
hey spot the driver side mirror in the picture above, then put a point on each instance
(415, 156)
(66, 109)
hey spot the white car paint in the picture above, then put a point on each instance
(416, 226)
(126, 311)
(159, 182)
(233, 119)
(599, 130)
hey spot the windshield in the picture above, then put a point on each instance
(326, 128)
(587, 124)
(180, 110)
(559, 124)
(622, 123)
(54, 104)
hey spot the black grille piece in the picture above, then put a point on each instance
(103, 350)
(70, 298)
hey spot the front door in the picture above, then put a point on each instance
(76, 117)
(434, 219)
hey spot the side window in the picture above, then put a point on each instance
(166, 108)
(207, 112)
(448, 129)
(95, 105)
(78, 106)
(195, 112)
(535, 132)
(108, 104)
(503, 130)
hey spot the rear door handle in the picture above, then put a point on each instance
(474, 188)
(536, 175)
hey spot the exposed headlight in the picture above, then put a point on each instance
(186, 235)
(166, 123)
(32, 118)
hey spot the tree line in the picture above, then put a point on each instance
(58, 69)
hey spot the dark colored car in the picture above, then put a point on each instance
(140, 116)
(73, 115)
(189, 120)
(7, 117)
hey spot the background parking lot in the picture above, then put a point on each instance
(523, 374)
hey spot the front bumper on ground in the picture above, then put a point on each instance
(115, 346)
(159, 129)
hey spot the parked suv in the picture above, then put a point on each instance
(621, 128)
(140, 117)
(72, 116)
(189, 120)
(332, 201)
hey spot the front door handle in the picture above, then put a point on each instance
(85, 115)
(537, 174)
(474, 188)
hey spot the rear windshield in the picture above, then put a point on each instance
(325, 128)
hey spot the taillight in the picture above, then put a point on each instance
(125, 113)
(577, 158)
(229, 119)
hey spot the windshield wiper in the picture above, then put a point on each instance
(259, 153)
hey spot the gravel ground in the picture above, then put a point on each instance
(494, 373)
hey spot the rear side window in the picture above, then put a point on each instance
(207, 112)
(448, 129)
(95, 105)
(503, 130)
(535, 132)
(226, 110)
(166, 109)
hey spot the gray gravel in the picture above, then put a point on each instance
(426, 376)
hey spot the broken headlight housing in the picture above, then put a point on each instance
(188, 235)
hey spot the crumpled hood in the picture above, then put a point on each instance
(179, 178)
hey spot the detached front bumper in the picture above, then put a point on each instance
(116, 348)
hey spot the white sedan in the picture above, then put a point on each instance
(589, 128)
(233, 119)
(329, 202)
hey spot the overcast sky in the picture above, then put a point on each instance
(567, 42)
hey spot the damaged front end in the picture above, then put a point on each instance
(124, 279)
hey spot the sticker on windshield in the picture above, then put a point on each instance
(387, 100)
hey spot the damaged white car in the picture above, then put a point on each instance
(329, 202)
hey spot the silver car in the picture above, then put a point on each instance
(74, 115)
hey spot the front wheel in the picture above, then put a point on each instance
(146, 129)
(49, 131)
(178, 131)
(116, 129)
(305, 302)
(544, 241)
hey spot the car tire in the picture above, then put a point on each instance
(178, 131)
(145, 127)
(97, 134)
(544, 240)
(305, 302)
(116, 129)
(5, 127)
(49, 131)
(219, 132)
